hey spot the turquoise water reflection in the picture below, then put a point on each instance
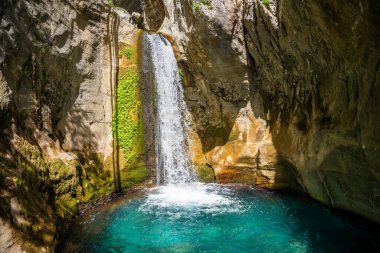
(212, 218)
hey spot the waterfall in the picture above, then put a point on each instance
(173, 164)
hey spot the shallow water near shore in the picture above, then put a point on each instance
(213, 218)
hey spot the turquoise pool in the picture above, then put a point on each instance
(213, 218)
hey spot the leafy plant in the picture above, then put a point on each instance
(181, 75)
(128, 53)
(126, 122)
(196, 6)
(265, 2)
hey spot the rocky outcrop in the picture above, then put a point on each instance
(284, 94)
(58, 68)
(56, 107)
(317, 66)
(228, 136)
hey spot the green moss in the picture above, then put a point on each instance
(48, 186)
(128, 53)
(25, 198)
(96, 182)
(133, 176)
(205, 173)
(126, 120)
(110, 3)
(128, 129)
(198, 4)
(265, 2)
(181, 75)
(89, 195)
(234, 135)
(207, 3)
(66, 206)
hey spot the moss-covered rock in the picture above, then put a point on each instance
(205, 173)
(128, 128)
(39, 193)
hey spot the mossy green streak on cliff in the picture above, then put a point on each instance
(127, 119)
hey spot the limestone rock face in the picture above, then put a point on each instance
(317, 66)
(57, 71)
(228, 134)
(308, 72)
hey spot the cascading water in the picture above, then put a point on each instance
(173, 165)
(178, 185)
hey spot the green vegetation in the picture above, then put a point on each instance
(205, 173)
(265, 2)
(48, 186)
(206, 3)
(132, 176)
(110, 3)
(181, 75)
(66, 207)
(128, 53)
(198, 4)
(126, 122)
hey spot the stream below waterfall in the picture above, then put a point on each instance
(183, 215)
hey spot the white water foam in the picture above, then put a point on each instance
(191, 198)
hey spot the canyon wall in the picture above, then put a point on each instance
(317, 66)
(283, 94)
(58, 68)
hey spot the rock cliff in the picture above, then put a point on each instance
(58, 69)
(317, 66)
(283, 93)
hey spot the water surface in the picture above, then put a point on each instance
(213, 218)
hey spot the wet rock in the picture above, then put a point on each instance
(310, 71)
(137, 18)
(57, 70)
(317, 64)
